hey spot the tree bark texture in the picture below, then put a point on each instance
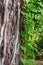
(9, 32)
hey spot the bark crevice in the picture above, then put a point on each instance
(9, 32)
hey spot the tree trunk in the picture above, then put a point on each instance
(9, 32)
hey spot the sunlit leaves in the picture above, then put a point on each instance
(26, 1)
(33, 28)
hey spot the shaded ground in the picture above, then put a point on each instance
(39, 62)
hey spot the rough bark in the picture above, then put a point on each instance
(9, 32)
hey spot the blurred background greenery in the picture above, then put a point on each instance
(31, 30)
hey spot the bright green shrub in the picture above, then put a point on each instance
(32, 22)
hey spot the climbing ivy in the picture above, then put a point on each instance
(32, 27)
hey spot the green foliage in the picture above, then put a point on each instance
(27, 62)
(32, 23)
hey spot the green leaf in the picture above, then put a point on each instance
(26, 1)
(23, 48)
(23, 60)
